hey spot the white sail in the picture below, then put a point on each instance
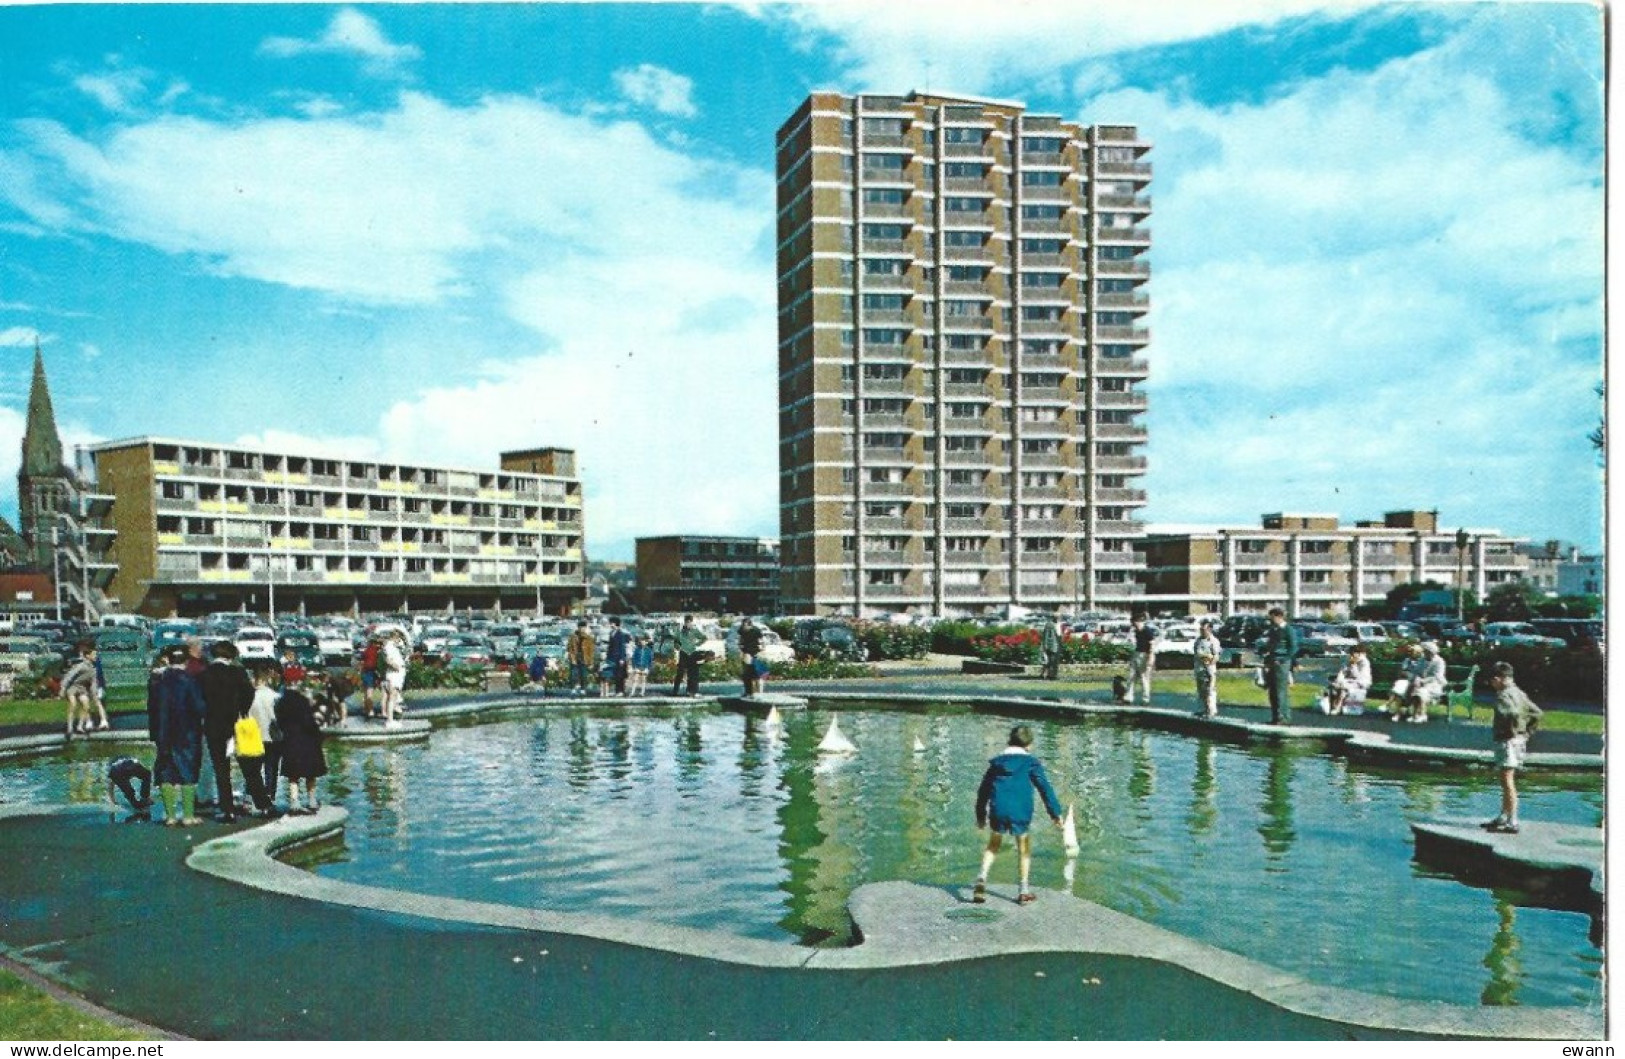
(835, 742)
(773, 720)
(919, 745)
(1069, 833)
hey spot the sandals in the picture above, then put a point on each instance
(978, 894)
(1026, 898)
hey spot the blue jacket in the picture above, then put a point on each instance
(1006, 793)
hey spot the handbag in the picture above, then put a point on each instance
(247, 735)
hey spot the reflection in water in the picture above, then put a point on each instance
(1204, 810)
(1277, 826)
(578, 755)
(1142, 779)
(1506, 970)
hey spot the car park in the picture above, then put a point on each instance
(26, 655)
(1366, 632)
(1403, 630)
(432, 639)
(125, 653)
(1177, 640)
(1320, 639)
(170, 633)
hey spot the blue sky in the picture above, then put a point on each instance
(437, 232)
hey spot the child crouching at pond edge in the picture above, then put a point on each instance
(1005, 802)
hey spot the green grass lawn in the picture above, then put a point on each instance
(55, 711)
(28, 1013)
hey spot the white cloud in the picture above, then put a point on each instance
(973, 46)
(655, 86)
(17, 337)
(349, 33)
(1373, 292)
(115, 90)
(89, 350)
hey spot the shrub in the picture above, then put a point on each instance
(420, 677)
(884, 641)
(1024, 647)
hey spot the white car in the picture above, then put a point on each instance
(774, 649)
(1366, 632)
(1177, 640)
(432, 640)
(336, 646)
(255, 641)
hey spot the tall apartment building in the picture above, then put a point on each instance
(1310, 564)
(725, 574)
(205, 527)
(961, 293)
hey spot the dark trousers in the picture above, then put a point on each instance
(620, 677)
(747, 673)
(1278, 682)
(254, 780)
(139, 804)
(689, 665)
(269, 764)
(1052, 665)
(217, 740)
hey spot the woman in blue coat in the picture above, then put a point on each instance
(1005, 801)
(175, 709)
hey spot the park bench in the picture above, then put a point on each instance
(1458, 686)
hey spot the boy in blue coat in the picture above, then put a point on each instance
(1005, 801)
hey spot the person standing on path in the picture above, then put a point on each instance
(690, 638)
(1282, 645)
(227, 694)
(1049, 643)
(582, 653)
(1144, 661)
(392, 679)
(1004, 802)
(1516, 719)
(175, 708)
(617, 651)
(750, 646)
(1205, 663)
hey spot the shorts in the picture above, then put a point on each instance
(369, 679)
(1511, 754)
(395, 681)
(1009, 827)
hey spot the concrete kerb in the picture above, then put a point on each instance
(902, 924)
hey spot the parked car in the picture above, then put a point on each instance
(551, 643)
(1237, 637)
(774, 649)
(306, 648)
(828, 638)
(1403, 630)
(255, 642)
(336, 646)
(1518, 634)
(1320, 639)
(1177, 640)
(125, 654)
(505, 640)
(467, 649)
(432, 640)
(1366, 632)
(169, 633)
(26, 655)
(1576, 632)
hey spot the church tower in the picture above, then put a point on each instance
(42, 480)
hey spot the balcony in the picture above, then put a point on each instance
(1132, 367)
(887, 247)
(1045, 226)
(1259, 588)
(1119, 496)
(962, 184)
(1117, 267)
(1275, 559)
(1120, 300)
(1119, 528)
(1138, 203)
(1120, 399)
(1118, 560)
(1118, 590)
(1107, 234)
(1120, 463)
(1119, 432)
(1048, 261)
(1114, 333)
(1129, 169)
(1045, 159)
(982, 150)
(1322, 561)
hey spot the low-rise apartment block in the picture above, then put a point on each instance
(722, 574)
(1311, 564)
(204, 527)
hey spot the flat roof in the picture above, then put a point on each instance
(149, 439)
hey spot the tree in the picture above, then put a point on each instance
(1599, 437)
(1514, 601)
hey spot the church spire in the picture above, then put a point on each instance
(42, 446)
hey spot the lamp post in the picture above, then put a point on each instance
(56, 567)
(1461, 574)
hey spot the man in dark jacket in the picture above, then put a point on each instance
(750, 645)
(617, 652)
(1005, 802)
(1281, 646)
(227, 693)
